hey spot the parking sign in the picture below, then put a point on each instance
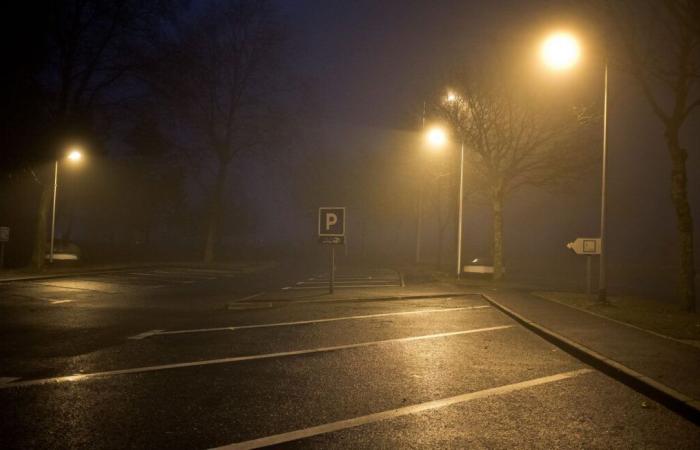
(331, 225)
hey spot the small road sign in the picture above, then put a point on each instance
(585, 246)
(331, 221)
(331, 231)
(331, 240)
(4, 234)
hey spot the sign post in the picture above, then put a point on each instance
(331, 232)
(4, 237)
(588, 247)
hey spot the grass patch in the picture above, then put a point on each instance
(663, 318)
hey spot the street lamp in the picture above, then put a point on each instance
(435, 139)
(561, 51)
(74, 156)
(452, 98)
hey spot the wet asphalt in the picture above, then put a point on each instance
(204, 387)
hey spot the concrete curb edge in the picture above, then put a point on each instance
(678, 402)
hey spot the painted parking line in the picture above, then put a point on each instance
(341, 282)
(302, 322)
(325, 286)
(399, 412)
(237, 359)
(56, 302)
(325, 280)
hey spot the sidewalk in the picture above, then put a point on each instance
(665, 369)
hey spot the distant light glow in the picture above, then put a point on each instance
(451, 97)
(75, 155)
(436, 138)
(560, 51)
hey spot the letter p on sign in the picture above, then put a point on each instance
(331, 221)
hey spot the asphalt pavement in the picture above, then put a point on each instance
(182, 357)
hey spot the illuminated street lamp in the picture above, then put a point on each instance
(74, 156)
(561, 51)
(451, 98)
(435, 138)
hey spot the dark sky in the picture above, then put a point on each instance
(374, 60)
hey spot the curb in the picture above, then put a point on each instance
(678, 402)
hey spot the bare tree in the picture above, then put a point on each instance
(89, 46)
(514, 139)
(215, 79)
(658, 45)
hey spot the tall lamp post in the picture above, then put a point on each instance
(452, 99)
(436, 138)
(561, 51)
(74, 156)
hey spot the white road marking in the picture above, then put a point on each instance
(56, 302)
(236, 359)
(399, 412)
(145, 334)
(250, 297)
(304, 322)
(324, 286)
(4, 380)
(325, 282)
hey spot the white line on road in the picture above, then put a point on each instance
(4, 380)
(236, 359)
(145, 334)
(325, 282)
(250, 297)
(302, 322)
(325, 286)
(56, 302)
(399, 412)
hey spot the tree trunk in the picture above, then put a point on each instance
(42, 221)
(497, 207)
(212, 237)
(679, 194)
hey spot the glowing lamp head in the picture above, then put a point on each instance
(75, 155)
(560, 51)
(436, 138)
(451, 97)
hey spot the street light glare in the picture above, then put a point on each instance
(560, 51)
(451, 97)
(75, 155)
(436, 137)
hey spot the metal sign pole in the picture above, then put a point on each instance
(331, 278)
(588, 275)
(2, 255)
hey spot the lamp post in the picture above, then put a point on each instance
(452, 98)
(561, 51)
(459, 218)
(74, 156)
(436, 138)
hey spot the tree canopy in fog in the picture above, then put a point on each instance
(217, 78)
(514, 137)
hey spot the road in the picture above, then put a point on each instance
(184, 357)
